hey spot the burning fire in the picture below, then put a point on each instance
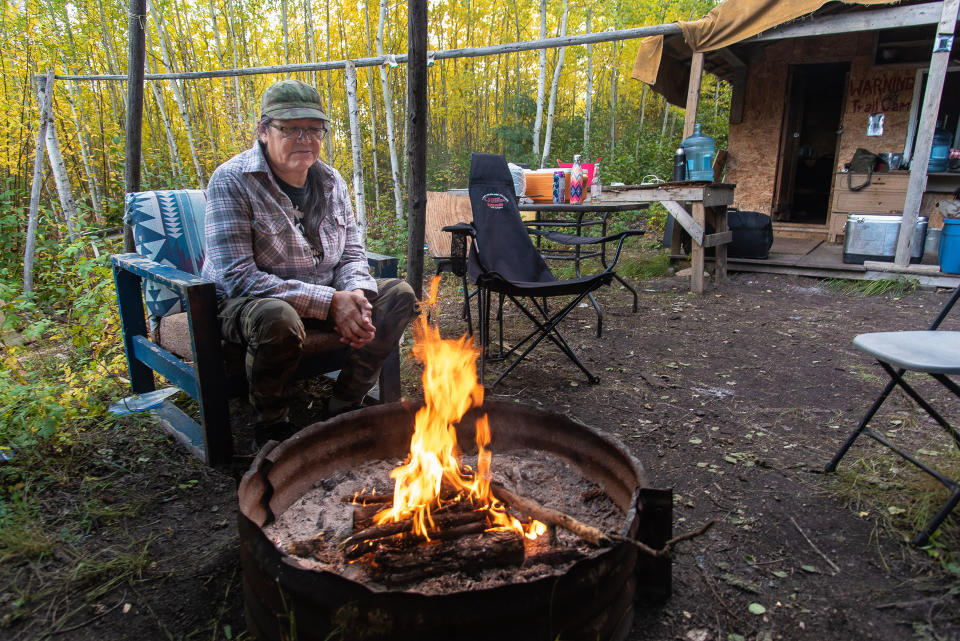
(432, 474)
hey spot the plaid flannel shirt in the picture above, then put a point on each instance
(254, 249)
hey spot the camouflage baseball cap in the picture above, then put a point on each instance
(292, 99)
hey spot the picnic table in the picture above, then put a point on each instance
(707, 202)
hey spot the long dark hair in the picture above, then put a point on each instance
(314, 206)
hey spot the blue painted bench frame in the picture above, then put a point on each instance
(204, 380)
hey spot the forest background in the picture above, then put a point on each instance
(62, 358)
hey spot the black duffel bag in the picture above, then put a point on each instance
(752, 234)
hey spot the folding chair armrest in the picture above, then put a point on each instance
(461, 228)
(458, 246)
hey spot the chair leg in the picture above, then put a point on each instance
(547, 330)
(596, 307)
(934, 523)
(832, 465)
(896, 379)
(483, 319)
(500, 325)
(466, 304)
(636, 299)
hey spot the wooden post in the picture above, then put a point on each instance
(353, 111)
(46, 96)
(417, 148)
(135, 61)
(696, 250)
(921, 151)
(693, 93)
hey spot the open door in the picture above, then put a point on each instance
(810, 132)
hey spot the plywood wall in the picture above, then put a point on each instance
(755, 142)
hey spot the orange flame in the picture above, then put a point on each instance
(450, 389)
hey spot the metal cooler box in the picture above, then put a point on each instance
(870, 237)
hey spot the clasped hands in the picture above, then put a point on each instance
(352, 316)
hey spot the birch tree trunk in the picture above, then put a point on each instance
(643, 107)
(553, 88)
(310, 39)
(111, 58)
(236, 79)
(171, 139)
(541, 81)
(329, 89)
(588, 92)
(643, 103)
(219, 45)
(83, 138)
(373, 112)
(286, 33)
(388, 113)
(663, 127)
(45, 92)
(614, 79)
(170, 64)
(353, 112)
(516, 56)
(57, 166)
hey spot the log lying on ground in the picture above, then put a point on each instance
(470, 554)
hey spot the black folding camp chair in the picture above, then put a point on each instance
(935, 352)
(504, 261)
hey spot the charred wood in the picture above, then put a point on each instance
(469, 554)
(399, 534)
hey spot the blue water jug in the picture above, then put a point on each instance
(698, 150)
(940, 151)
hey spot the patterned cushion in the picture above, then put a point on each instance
(167, 228)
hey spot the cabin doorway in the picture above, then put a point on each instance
(808, 148)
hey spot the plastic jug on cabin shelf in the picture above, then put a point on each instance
(698, 150)
(940, 150)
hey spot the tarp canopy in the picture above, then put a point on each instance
(726, 24)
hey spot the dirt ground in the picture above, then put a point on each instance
(734, 399)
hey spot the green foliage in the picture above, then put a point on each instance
(386, 234)
(60, 346)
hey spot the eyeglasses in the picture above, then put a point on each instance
(295, 133)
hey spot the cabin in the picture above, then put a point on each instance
(808, 93)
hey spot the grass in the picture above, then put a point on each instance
(63, 503)
(878, 483)
(897, 286)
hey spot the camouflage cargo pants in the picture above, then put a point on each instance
(273, 333)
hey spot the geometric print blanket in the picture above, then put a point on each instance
(168, 229)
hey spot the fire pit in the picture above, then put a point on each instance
(445, 519)
(592, 599)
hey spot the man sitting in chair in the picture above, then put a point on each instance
(284, 250)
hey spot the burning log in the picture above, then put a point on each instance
(470, 554)
(399, 534)
(368, 499)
